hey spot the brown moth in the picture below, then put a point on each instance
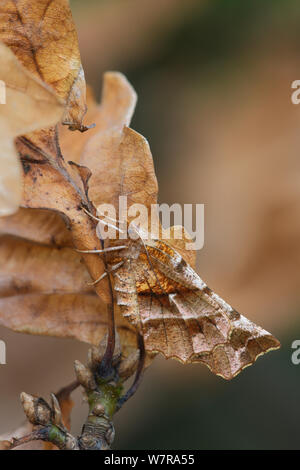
(156, 287)
(179, 315)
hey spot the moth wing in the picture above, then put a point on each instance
(191, 324)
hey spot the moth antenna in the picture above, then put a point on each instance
(110, 248)
(101, 221)
(90, 214)
(110, 225)
(114, 220)
(114, 267)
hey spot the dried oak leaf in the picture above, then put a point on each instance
(40, 226)
(42, 35)
(157, 290)
(114, 112)
(44, 290)
(23, 92)
(43, 285)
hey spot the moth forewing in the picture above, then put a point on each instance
(179, 316)
(172, 264)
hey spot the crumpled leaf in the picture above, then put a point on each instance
(44, 181)
(140, 179)
(115, 111)
(41, 226)
(46, 187)
(42, 35)
(59, 269)
(23, 92)
(44, 289)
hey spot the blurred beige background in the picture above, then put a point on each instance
(214, 85)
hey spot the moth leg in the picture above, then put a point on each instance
(102, 221)
(138, 375)
(114, 267)
(105, 250)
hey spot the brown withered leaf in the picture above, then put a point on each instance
(157, 290)
(23, 92)
(40, 226)
(45, 290)
(114, 112)
(42, 34)
(48, 187)
(51, 183)
(74, 316)
(43, 37)
(20, 260)
(44, 287)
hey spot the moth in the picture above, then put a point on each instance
(174, 310)
(155, 285)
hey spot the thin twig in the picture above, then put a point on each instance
(36, 435)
